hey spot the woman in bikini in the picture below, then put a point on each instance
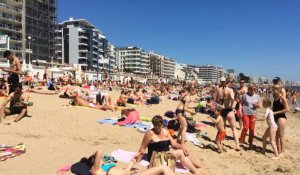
(98, 167)
(225, 97)
(159, 139)
(180, 112)
(280, 107)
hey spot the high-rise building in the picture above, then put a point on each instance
(11, 25)
(30, 25)
(77, 41)
(40, 30)
(133, 60)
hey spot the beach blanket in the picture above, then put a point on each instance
(107, 121)
(191, 137)
(139, 125)
(9, 151)
(126, 156)
(132, 118)
(64, 169)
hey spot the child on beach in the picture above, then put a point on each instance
(221, 129)
(271, 130)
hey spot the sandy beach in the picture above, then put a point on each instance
(57, 135)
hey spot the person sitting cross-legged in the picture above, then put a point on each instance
(18, 104)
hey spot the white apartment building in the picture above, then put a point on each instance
(161, 66)
(208, 73)
(132, 60)
(77, 41)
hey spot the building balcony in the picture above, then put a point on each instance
(83, 50)
(10, 9)
(17, 2)
(11, 20)
(15, 40)
(82, 44)
(82, 37)
(82, 57)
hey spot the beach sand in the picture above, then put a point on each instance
(56, 136)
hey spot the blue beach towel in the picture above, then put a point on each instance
(107, 121)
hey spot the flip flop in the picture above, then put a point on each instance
(109, 159)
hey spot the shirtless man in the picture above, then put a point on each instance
(14, 70)
(16, 106)
(225, 97)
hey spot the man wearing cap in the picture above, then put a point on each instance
(220, 89)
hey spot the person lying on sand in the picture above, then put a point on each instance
(97, 167)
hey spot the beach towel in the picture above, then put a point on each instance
(191, 137)
(8, 151)
(107, 121)
(132, 118)
(126, 156)
(199, 125)
(64, 169)
(145, 119)
(141, 126)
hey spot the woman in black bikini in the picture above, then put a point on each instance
(181, 116)
(159, 139)
(280, 107)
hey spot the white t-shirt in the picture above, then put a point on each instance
(248, 102)
(270, 118)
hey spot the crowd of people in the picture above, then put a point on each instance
(229, 101)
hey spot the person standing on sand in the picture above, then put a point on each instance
(225, 97)
(280, 107)
(183, 107)
(294, 100)
(14, 70)
(250, 102)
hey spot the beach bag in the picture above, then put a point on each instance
(153, 100)
(190, 125)
(170, 114)
(80, 168)
(130, 101)
(163, 158)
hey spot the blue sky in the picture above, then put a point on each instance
(254, 37)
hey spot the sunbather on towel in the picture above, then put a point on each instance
(78, 101)
(97, 167)
(159, 139)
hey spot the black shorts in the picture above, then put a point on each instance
(225, 112)
(15, 110)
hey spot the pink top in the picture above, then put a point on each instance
(270, 118)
